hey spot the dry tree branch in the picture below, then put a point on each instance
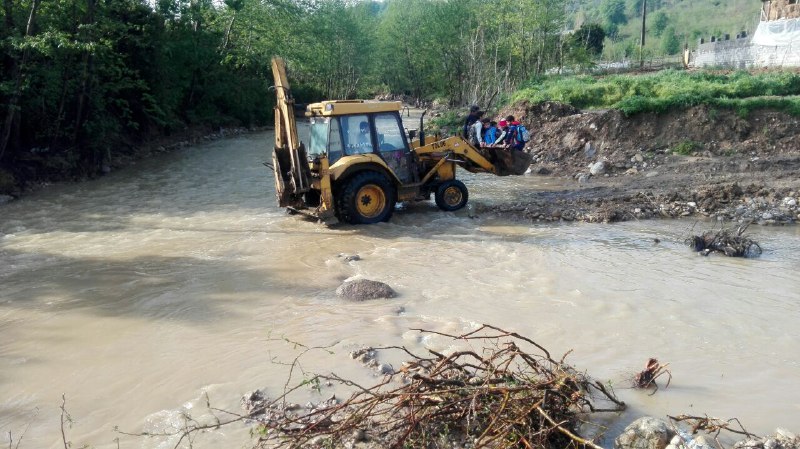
(499, 395)
(712, 425)
(64, 418)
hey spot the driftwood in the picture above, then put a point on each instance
(652, 371)
(711, 425)
(732, 243)
(507, 393)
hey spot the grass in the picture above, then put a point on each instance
(670, 90)
(686, 147)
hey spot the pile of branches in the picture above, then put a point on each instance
(509, 393)
(732, 243)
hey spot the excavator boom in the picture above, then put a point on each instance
(289, 160)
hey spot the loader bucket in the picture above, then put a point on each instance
(507, 161)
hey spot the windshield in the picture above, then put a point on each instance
(325, 138)
(319, 137)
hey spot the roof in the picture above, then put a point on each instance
(348, 107)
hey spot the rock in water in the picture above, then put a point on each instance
(645, 433)
(364, 289)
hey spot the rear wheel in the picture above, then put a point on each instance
(452, 195)
(368, 197)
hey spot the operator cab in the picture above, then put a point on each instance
(356, 127)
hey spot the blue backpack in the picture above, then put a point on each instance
(523, 135)
(490, 136)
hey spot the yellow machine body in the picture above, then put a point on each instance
(361, 161)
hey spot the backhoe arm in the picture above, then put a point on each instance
(290, 163)
(498, 161)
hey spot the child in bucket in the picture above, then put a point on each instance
(490, 134)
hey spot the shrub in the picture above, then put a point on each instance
(686, 147)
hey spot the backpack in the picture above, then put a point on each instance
(490, 136)
(523, 135)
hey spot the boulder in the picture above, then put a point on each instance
(598, 168)
(364, 289)
(645, 433)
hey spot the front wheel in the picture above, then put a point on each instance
(367, 198)
(452, 195)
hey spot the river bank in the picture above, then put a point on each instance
(701, 162)
(39, 168)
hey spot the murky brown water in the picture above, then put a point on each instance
(139, 294)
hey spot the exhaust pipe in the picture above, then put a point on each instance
(422, 128)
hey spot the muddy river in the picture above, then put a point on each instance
(143, 295)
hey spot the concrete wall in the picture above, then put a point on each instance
(741, 53)
(734, 53)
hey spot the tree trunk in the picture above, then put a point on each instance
(229, 31)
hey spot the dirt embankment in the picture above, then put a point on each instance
(698, 162)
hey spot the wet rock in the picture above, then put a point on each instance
(255, 400)
(385, 369)
(363, 355)
(364, 289)
(349, 257)
(645, 433)
(686, 441)
(598, 168)
(783, 434)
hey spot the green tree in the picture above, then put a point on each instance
(613, 12)
(659, 23)
(670, 42)
(589, 36)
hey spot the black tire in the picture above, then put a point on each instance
(367, 197)
(451, 195)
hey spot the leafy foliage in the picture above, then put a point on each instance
(670, 89)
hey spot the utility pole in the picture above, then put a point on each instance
(641, 42)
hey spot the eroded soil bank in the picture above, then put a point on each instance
(701, 162)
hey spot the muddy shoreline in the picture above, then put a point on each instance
(700, 162)
(40, 169)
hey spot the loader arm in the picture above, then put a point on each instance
(498, 161)
(289, 160)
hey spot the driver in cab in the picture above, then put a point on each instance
(363, 143)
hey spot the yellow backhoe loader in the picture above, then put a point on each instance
(360, 161)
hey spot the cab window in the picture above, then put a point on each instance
(357, 134)
(334, 141)
(319, 137)
(325, 137)
(390, 132)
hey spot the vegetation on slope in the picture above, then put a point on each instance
(669, 89)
